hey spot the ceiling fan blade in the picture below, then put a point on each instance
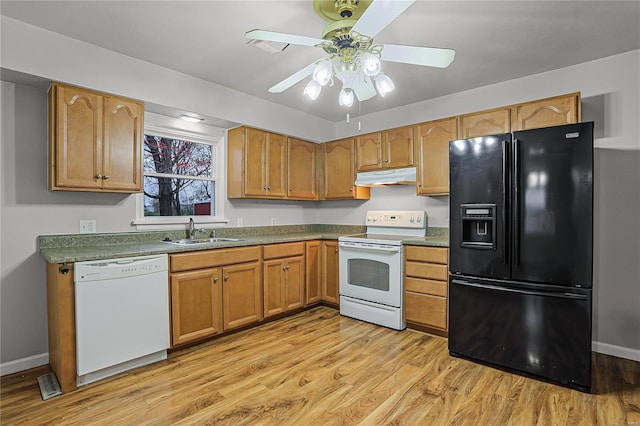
(282, 38)
(379, 14)
(293, 79)
(418, 55)
(363, 89)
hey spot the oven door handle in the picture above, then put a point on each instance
(370, 247)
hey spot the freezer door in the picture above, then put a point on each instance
(552, 205)
(539, 330)
(479, 184)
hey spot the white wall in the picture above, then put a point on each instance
(610, 94)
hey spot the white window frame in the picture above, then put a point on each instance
(143, 222)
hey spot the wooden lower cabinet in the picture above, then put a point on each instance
(241, 295)
(330, 277)
(196, 305)
(426, 287)
(284, 278)
(313, 274)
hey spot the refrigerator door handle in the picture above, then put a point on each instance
(505, 209)
(516, 203)
(525, 292)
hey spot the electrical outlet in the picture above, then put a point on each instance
(239, 222)
(273, 221)
(87, 226)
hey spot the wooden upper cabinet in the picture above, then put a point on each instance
(256, 163)
(301, 166)
(95, 141)
(369, 152)
(432, 153)
(485, 123)
(389, 149)
(554, 111)
(339, 171)
(397, 147)
(122, 130)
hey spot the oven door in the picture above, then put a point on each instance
(371, 272)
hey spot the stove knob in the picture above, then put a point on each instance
(369, 219)
(375, 219)
(411, 219)
(419, 219)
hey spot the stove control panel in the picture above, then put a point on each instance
(397, 219)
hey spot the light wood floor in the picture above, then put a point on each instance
(317, 368)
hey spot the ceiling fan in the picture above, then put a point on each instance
(352, 56)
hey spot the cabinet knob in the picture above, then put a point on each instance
(215, 280)
(386, 161)
(264, 187)
(290, 189)
(268, 188)
(226, 277)
(336, 249)
(350, 189)
(105, 177)
(378, 161)
(98, 176)
(287, 267)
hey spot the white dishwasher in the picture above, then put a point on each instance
(122, 315)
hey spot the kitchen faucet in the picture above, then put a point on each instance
(193, 230)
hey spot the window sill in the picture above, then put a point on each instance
(173, 222)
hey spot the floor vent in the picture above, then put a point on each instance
(49, 386)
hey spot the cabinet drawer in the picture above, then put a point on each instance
(418, 285)
(427, 254)
(273, 251)
(426, 270)
(210, 258)
(425, 309)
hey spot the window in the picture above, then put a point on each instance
(177, 177)
(180, 177)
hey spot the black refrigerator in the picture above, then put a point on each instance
(521, 252)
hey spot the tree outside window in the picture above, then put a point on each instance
(178, 177)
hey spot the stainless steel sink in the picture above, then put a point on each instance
(196, 241)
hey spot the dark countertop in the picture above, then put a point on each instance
(75, 248)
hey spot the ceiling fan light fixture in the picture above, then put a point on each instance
(370, 64)
(346, 97)
(312, 90)
(384, 84)
(323, 72)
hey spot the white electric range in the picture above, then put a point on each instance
(371, 267)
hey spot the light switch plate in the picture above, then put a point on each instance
(87, 226)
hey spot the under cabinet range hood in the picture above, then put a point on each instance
(404, 176)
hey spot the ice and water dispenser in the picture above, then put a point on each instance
(478, 226)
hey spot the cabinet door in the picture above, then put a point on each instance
(196, 305)
(294, 283)
(330, 290)
(275, 170)
(122, 165)
(432, 147)
(255, 149)
(397, 147)
(301, 166)
(485, 123)
(241, 295)
(547, 112)
(313, 272)
(77, 143)
(339, 174)
(274, 291)
(369, 152)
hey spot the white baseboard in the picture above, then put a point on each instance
(24, 364)
(619, 351)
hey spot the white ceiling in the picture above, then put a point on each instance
(494, 41)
